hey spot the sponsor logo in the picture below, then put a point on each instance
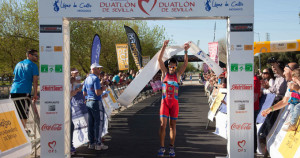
(291, 46)
(140, 2)
(54, 127)
(51, 107)
(244, 126)
(52, 148)
(241, 107)
(233, 6)
(241, 101)
(241, 27)
(57, 48)
(51, 68)
(242, 87)
(241, 144)
(50, 28)
(52, 88)
(4, 123)
(59, 5)
(248, 47)
(241, 67)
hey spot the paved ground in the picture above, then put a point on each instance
(134, 131)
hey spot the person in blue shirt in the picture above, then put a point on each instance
(25, 73)
(116, 78)
(94, 92)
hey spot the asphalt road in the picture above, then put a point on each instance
(134, 131)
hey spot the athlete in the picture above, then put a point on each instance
(169, 104)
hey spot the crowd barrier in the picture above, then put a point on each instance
(27, 139)
(280, 143)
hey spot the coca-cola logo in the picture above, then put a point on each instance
(142, 6)
(244, 126)
(54, 127)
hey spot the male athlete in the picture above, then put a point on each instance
(169, 104)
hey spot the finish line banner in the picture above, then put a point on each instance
(13, 138)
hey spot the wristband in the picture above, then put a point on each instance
(272, 108)
(185, 51)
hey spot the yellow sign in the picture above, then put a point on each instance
(11, 134)
(290, 143)
(122, 54)
(146, 59)
(276, 46)
(217, 102)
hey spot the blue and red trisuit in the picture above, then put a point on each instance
(169, 102)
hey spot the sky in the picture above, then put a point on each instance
(279, 18)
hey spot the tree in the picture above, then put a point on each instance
(18, 32)
(111, 33)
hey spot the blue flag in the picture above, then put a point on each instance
(96, 47)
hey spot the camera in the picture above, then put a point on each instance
(272, 60)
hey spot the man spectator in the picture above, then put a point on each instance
(116, 78)
(93, 90)
(287, 73)
(280, 83)
(25, 73)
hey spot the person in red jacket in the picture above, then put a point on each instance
(169, 105)
(257, 88)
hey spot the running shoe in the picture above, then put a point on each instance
(101, 147)
(91, 146)
(161, 152)
(172, 152)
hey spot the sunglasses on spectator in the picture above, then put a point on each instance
(265, 72)
(35, 55)
(173, 67)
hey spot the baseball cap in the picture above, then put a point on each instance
(95, 65)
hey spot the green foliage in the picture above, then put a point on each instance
(285, 57)
(190, 67)
(111, 33)
(18, 32)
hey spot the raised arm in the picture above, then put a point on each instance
(186, 59)
(161, 54)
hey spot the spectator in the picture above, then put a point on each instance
(288, 76)
(268, 80)
(25, 73)
(294, 101)
(116, 78)
(93, 90)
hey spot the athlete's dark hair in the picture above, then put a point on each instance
(172, 60)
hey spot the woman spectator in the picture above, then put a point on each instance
(268, 80)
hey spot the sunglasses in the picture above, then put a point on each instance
(173, 67)
(265, 72)
(35, 55)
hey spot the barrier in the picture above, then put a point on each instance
(14, 141)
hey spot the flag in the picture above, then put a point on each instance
(96, 47)
(135, 47)
(122, 54)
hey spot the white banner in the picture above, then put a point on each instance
(282, 144)
(203, 56)
(221, 125)
(14, 141)
(145, 76)
(142, 8)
